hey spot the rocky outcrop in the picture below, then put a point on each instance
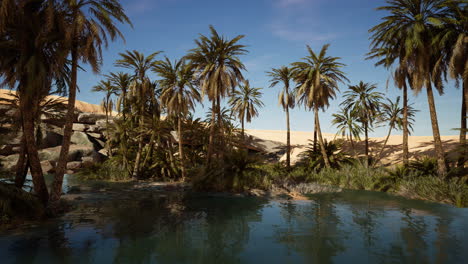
(87, 148)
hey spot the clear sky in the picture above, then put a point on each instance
(277, 32)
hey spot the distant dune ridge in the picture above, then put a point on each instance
(418, 145)
(79, 105)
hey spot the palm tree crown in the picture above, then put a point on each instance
(283, 75)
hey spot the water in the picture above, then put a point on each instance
(153, 227)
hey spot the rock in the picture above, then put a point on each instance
(80, 138)
(69, 172)
(75, 153)
(256, 192)
(95, 135)
(103, 123)
(95, 129)
(89, 118)
(103, 152)
(7, 150)
(50, 139)
(74, 165)
(80, 127)
(48, 166)
(87, 162)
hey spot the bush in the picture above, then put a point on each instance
(453, 191)
(111, 170)
(237, 172)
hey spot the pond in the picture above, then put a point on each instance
(162, 227)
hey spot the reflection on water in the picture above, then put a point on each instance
(152, 227)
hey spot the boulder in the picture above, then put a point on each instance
(103, 123)
(80, 138)
(75, 153)
(74, 165)
(48, 166)
(95, 129)
(7, 150)
(96, 135)
(89, 118)
(87, 162)
(80, 127)
(50, 139)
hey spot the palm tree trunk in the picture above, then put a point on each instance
(288, 140)
(405, 126)
(212, 131)
(315, 139)
(56, 191)
(366, 134)
(242, 133)
(379, 157)
(439, 151)
(136, 167)
(21, 165)
(109, 151)
(40, 187)
(463, 130)
(181, 149)
(320, 139)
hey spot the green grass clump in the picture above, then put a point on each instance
(110, 170)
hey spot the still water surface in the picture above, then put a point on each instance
(151, 227)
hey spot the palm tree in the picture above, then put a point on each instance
(317, 77)
(363, 101)
(284, 75)
(121, 82)
(244, 102)
(347, 123)
(410, 24)
(218, 70)
(107, 105)
(142, 91)
(392, 114)
(89, 25)
(453, 39)
(31, 59)
(179, 95)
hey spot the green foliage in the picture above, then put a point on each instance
(313, 160)
(453, 191)
(18, 204)
(237, 172)
(111, 170)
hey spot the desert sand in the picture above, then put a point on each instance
(79, 105)
(418, 145)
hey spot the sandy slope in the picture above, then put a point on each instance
(418, 145)
(79, 105)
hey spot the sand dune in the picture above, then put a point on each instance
(79, 105)
(418, 145)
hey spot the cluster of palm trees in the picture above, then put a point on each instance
(212, 69)
(422, 41)
(43, 44)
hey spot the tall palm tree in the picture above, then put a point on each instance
(284, 75)
(410, 24)
(347, 123)
(392, 114)
(244, 102)
(363, 101)
(142, 90)
(218, 70)
(317, 77)
(89, 25)
(32, 56)
(453, 39)
(121, 82)
(107, 105)
(179, 95)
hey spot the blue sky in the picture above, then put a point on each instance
(277, 32)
